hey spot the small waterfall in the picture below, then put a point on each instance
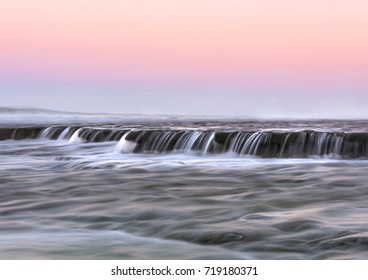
(115, 135)
(48, 133)
(157, 142)
(284, 145)
(92, 135)
(75, 138)
(251, 144)
(268, 144)
(45, 133)
(64, 134)
(281, 144)
(208, 143)
(125, 146)
(188, 141)
(164, 141)
(236, 142)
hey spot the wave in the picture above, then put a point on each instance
(268, 144)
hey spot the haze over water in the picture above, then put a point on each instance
(132, 187)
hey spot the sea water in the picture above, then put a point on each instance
(161, 187)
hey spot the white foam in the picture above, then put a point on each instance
(75, 138)
(125, 146)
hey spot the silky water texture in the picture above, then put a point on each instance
(120, 187)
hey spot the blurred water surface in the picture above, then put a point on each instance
(63, 200)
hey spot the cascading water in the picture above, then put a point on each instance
(125, 146)
(46, 133)
(209, 142)
(75, 138)
(64, 134)
(243, 188)
(282, 144)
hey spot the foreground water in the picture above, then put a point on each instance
(183, 189)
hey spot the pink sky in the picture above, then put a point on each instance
(239, 43)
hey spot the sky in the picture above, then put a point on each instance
(256, 58)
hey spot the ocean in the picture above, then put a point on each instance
(104, 186)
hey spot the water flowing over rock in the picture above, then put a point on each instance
(269, 144)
